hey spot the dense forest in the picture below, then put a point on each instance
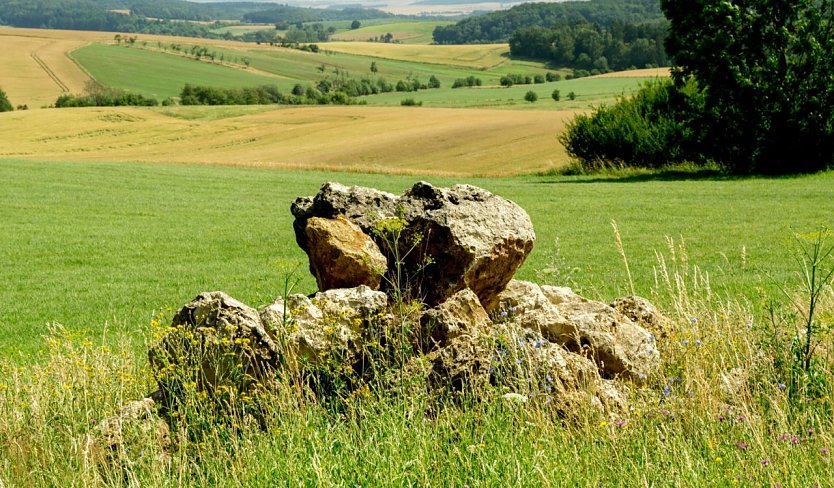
(592, 47)
(500, 26)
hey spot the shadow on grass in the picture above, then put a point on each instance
(667, 175)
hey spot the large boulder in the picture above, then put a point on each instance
(448, 239)
(618, 346)
(342, 256)
(215, 341)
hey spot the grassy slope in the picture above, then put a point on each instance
(158, 75)
(95, 244)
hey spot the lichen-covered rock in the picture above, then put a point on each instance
(329, 326)
(618, 346)
(214, 340)
(450, 238)
(342, 256)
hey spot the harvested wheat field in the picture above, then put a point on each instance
(370, 139)
(480, 56)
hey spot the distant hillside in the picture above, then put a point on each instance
(153, 16)
(500, 26)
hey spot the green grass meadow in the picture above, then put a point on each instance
(98, 246)
(102, 248)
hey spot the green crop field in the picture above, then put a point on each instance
(156, 74)
(97, 244)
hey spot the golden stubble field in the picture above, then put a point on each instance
(478, 56)
(353, 138)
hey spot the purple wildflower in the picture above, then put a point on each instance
(765, 461)
(742, 445)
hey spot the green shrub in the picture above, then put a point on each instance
(5, 104)
(650, 129)
(556, 95)
(410, 102)
(531, 96)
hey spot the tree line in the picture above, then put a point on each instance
(593, 47)
(500, 26)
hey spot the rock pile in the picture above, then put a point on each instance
(452, 251)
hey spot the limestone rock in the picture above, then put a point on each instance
(617, 345)
(362, 206)
(475, 239)
(342, 256)
(451, 238)
(215, 333)
(330, 325)
(461, 341)
(643, 313)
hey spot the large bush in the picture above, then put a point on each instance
(653, 128)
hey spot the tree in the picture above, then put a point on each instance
(355, 24)
(531, 96)
(767, 71)
(571, 96)
(5, 104)
(434, 82)
(374, 67)
(556, 95)
(298, 90)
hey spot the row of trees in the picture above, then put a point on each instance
(500, 26)
(97, 96)
(593, 47)
(752, 91)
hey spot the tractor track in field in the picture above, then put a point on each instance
(64, 88)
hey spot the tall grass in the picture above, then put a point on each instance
(718, 415)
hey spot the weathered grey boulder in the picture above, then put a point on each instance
(329, 326)
(450, 238)
(342, 256)
(218, 340)
(618, 346)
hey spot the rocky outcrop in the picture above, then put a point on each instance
(618, 346)
(449, 238)
(342, 256)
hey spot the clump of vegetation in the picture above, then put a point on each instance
(5, 104)
(98, 96)
(410, 102)
(469, 81)
(531, 96)
(649, 129)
